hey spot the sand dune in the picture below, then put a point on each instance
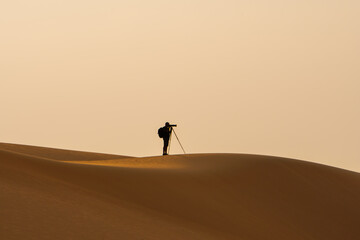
(57, 154)
(59, 194)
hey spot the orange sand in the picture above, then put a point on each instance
(59, 194)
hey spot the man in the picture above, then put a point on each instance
(165, 134)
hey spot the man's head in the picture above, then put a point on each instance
(167, 124)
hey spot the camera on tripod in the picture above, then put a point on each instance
(170, 125)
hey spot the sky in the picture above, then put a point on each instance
(276, 77)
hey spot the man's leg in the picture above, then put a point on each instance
(166, 144)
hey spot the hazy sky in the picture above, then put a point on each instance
(278, 77)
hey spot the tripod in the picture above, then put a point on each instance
(177, 139)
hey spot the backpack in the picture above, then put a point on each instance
(161, 132)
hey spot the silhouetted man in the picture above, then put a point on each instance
(165, 133)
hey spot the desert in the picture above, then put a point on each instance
(51, 193)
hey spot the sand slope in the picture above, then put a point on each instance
(56, 194)
(56, 154)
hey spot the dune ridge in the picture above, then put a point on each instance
(59, 194)
(57, 154)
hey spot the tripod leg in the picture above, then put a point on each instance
(168, 150)
(179, 142)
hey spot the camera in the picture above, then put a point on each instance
(167, 124)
